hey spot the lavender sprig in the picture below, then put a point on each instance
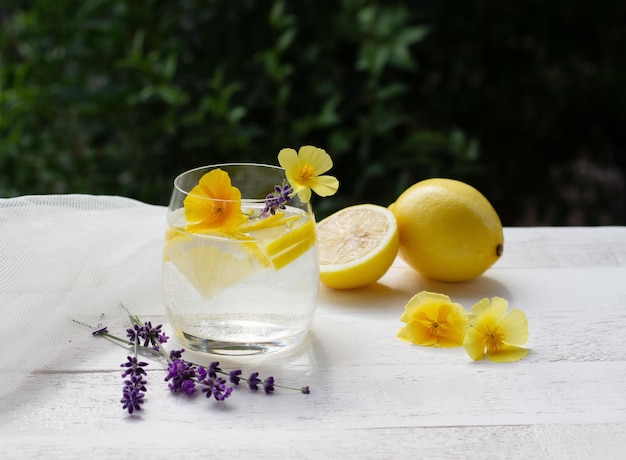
(150, 335)
(277, 199)
(134, 386)
(182, 376)
(134, 390)
(185, 375)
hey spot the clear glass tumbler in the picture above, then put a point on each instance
(239, 278)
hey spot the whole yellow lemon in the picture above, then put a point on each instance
(448, 230)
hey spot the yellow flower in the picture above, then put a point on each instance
(495, 334)
(303, 171)
(214, 203)
(433, 321)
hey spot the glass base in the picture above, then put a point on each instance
(226, 348)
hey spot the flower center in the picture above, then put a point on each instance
(307, 172)
(436, 329)
(494, 340)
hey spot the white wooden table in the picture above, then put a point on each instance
(373, 396)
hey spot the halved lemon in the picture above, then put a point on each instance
(357, 245)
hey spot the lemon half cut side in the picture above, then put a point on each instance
(357, 245)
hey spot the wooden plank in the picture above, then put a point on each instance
(373, 396)
(205, 438)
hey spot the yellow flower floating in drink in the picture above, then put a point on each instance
(214, 204)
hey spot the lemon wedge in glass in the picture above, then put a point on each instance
(212, 261)
(214, 265)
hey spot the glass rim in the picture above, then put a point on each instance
(211, 167)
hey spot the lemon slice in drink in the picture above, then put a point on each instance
(291, 245)
(212, 261)
(271, 222)
(282, 238)
(215, 264)
(357, 245)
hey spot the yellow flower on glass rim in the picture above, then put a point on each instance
(303, 171)
(433, 320)
(214, 203)
(494, 334)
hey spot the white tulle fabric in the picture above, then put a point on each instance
(65, 257)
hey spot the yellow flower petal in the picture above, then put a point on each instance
(499, 306)
(514, 326)
(443, 311)
(217, 184)
(304, 193)
(474, 344)
(487, 314)
(417, 333)
(316, 157)
(214, 203)
(508, 354)
(452, 337)
(325, 185)
(494, 307)
(288, 159)
(420, 299)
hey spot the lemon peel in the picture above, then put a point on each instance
(291, 245)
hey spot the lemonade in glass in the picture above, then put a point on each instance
(241, 269)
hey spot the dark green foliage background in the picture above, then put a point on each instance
(524, 100)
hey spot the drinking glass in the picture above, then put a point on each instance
(246, 289)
